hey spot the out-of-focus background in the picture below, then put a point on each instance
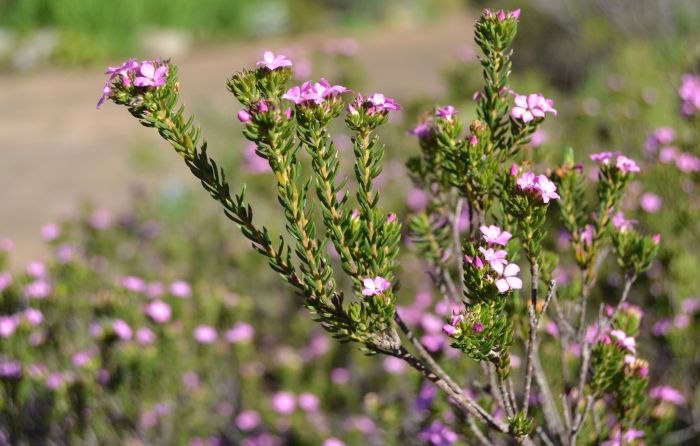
(99, 219)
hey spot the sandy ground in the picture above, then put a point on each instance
(57, 151)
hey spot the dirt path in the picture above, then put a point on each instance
(57, 151)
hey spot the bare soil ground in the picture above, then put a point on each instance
(57, 151)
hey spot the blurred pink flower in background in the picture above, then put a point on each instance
(205, 334)
(241, 332)
(284, 403)
(180, 289)
(650, 202)
(159, 311)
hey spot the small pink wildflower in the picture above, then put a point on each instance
(150, 76)
(495, 235)
(446, 112)
(508, 280)
(272, 61)
(622, 224)
(494, 258)
(374, 287)
(603, 157)
(381, 103)
(531, 107)
(625, 341)
(180, 289)
(626, 165)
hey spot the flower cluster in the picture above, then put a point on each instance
(622, 163)
(315, 93)
(531, 107)
(506, 278)
(539, 185)
(502, 15)
(145, 74)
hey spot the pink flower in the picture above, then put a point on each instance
(662, 136)
(40, 289)
(381, 103)
(446, 112)
(689, 93)
(423, 130)
(283, 403)
(309, 402)
(145, 336)
(626, 165)
(531, 107)
(205, 334)
(667, 394)
(603, 157)
(494, 257)
(538, 138)
(508, 280)
(81, 359)
(180, 289)
(687, 162)
(316, 93)
(150, 76)
(248, 420)
(121, 329)
(650, 203)
(272, 62)
(541, 185)
(546, 188)
(332, 441)
(495, 235)
(123, 72)
(241, 332)
(622, 224)
(8, 326)
(159, 311)
(374, 287)
(478, 327)
(625, 341)
(33, 316)
(526, 181)
(50, 232)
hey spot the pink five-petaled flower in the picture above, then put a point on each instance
(495, 235)
(446, 112)
(374, 287)
(150, 76)
(540, 184)
(381, 103)
(546, 188)
(124, 71)
(527, 108)
(626, 341)
(626, 165)
(508, 279)
(494, 258)
(272, 62)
